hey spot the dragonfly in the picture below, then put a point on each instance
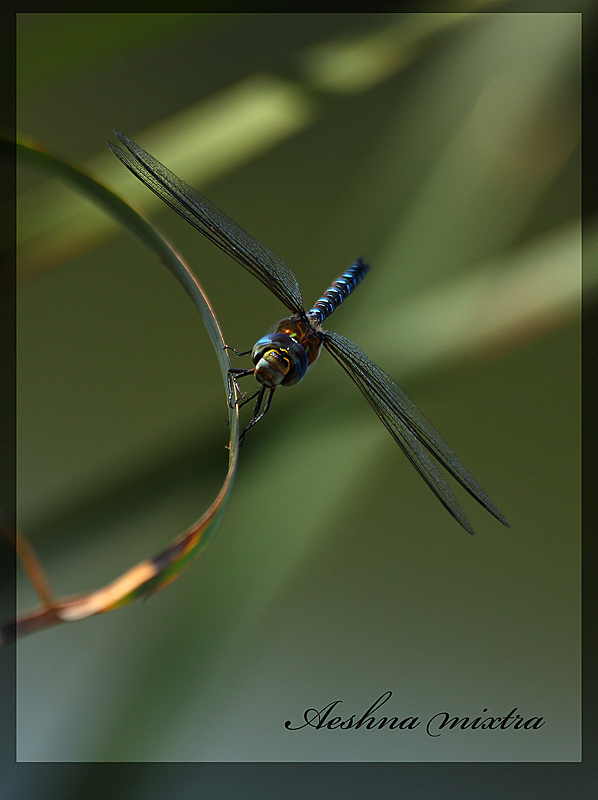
(281, 358)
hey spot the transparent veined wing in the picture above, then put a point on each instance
(409, 427)
(213, 223)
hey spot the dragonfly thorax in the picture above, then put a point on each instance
(279, 360)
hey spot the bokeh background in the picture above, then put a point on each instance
(444, 150)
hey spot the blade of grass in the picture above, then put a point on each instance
(151, 575)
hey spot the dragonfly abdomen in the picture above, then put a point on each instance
(339, 291)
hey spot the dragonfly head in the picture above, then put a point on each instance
(279, 360)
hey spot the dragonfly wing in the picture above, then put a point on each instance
(213, 223)
(409, 427)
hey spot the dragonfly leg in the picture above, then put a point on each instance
(246, 400)
(233, 374)
(236, 352)
(257, 414)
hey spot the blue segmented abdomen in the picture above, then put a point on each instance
(339, 291)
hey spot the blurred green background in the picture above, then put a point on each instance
(444, 150)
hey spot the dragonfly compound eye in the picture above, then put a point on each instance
(279, 360)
